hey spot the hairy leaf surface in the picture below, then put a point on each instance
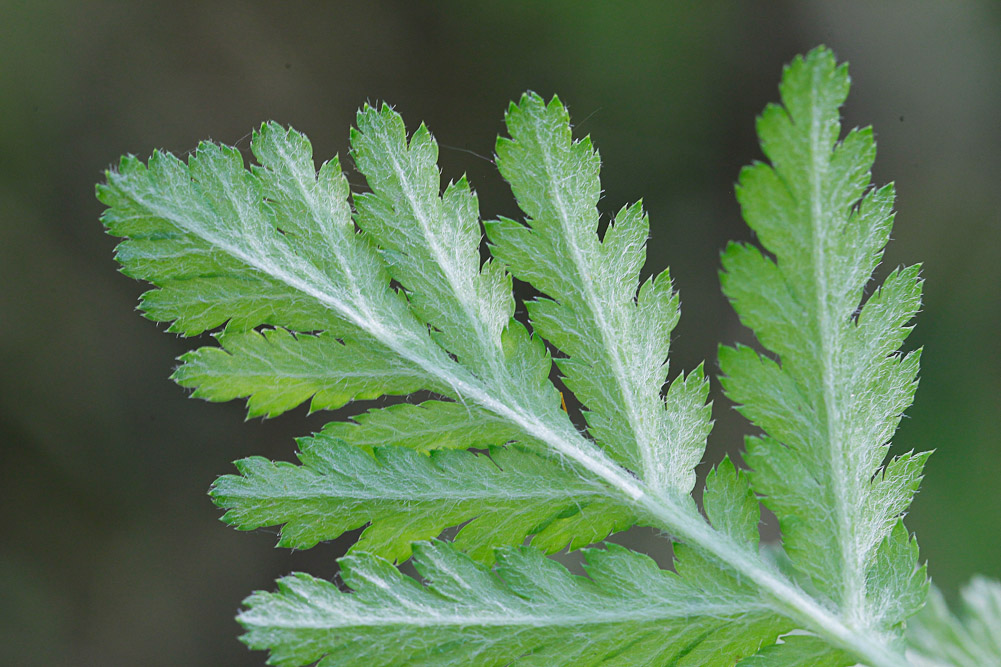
(326, 296)
(529, 611)
(404, 496)
(831, 401)
(284, 232)
(616, 339)
(939, 638)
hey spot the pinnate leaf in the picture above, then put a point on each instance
(834, 386)
(529, 611)
(328, 296)
(405, 496)
(615, 333)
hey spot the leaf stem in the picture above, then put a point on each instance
(691, 528)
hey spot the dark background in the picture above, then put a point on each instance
(113, 555)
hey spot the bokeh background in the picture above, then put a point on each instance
(112, 553)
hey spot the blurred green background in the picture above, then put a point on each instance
(113, 554)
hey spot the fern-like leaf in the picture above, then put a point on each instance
(404, 496)
(323, 302)
(616, 339)
(529, 611)
(283, 230)
(831, 401)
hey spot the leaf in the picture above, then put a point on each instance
(431, 241)
(799, 651)
(938, 638)
(833, 386)
(616, 339)
(277, 371)
(290, 227)
(404, 496)
(213, 225)
(284, 232)
(321, 304)
(531, 611)
(424, 427)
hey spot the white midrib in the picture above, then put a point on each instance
(852, 585)
(425, 617)
(688, 526)
(645, 448)
(536, 492)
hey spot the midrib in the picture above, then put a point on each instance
(852, 591)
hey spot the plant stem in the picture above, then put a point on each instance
(692, 529)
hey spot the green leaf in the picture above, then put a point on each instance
(616, 339)
(831, 401)
(424, 427)
(431, 241)
(404, 496)
(530, 611)
(284, 232)
(734, 511)
(322, 304)
(799, 651)
(290, 224)
(938, 638)
(277, 370)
